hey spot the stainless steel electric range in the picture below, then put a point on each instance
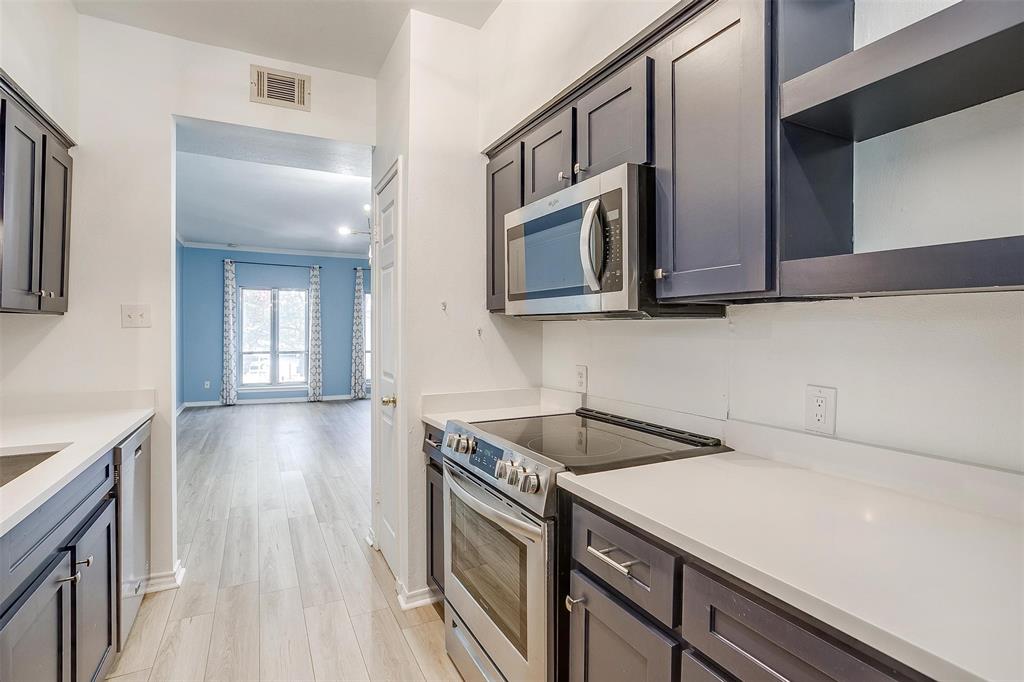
(500, 513)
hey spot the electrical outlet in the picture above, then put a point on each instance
(206, 384)
(135, 315)
(581, 378)
(820, 410)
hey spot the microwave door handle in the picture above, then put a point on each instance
(591, 220)
(487, 511)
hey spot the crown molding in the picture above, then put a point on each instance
(283, 252)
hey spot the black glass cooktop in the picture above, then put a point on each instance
(588, 441)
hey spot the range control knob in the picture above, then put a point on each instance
(514, 473)
(501, 469)
(470, 445)
(530, 483)
(461, 444)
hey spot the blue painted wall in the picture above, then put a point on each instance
(201, 319)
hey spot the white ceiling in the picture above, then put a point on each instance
(258, 188)
(344, 35)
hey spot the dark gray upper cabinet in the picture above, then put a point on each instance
(548, 156)
(56, 230)
(711, 118)
(613, 121)
(504, 194)
(94, 556)
(35, 634)
(22, 207)
(610, 643)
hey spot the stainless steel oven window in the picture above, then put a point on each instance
(491, 564)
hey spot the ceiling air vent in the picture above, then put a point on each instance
(280, 88)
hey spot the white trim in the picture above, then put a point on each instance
(181, 408)
(158, 582)
(263, 249)
(266, 388)
(416, 598)
(255, 401)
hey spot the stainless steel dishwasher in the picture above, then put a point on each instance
(131, 485)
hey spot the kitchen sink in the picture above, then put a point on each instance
(17, 462)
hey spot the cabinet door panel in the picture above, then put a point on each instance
(710, 130)
(547, 156)
(435, 521)
(35, 635)
(56, 231)
(94, 553)
(610, 643)
(22, 209)
(504, 194)
(613, 121)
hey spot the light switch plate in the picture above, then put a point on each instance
(135, 315)
(820, 409)
(581, 378)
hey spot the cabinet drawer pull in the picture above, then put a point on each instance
(71, 579)
(562, 177)
(570, 602)
(622, 568)
(432, 443)
(87, 562)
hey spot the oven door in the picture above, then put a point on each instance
(566, 254)
(495, 558)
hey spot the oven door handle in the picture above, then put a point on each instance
(487, 511)
(592, 246)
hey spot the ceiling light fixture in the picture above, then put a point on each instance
(345, 230)
(367, 207)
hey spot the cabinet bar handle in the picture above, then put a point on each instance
(433, 443)
(71, 579)
(622, 568)
(570, 602)
(87, 562)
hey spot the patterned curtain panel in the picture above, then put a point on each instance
(358, 347)
(228, 386)
(316, 360)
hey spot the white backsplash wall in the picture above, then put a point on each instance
(941, 374)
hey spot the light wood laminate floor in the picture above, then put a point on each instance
(273, 509)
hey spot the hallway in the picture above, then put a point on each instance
(273, 510)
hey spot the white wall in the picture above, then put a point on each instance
(943, 375)
(462, 348)
(39, 50)
(122, 246)
(531, 50)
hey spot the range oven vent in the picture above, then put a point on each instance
(279, 88)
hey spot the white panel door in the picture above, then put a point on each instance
(385, 369)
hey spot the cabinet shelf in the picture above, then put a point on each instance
(964, 55)
(980, 264)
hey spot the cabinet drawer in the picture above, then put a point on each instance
(755, 643)
(37, 540)
(695, 670)
(640, 571)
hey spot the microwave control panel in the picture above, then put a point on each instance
(611, 209)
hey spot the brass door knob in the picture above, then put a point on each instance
(389, 401)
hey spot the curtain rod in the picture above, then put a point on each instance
(276, 265)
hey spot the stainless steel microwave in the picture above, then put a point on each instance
(579, 252)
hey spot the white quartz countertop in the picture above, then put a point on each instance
(482, 406)
(82, 437)
(935, 587)
(440, 419)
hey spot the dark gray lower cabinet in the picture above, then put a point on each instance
(610, 643)
(435, 526)
(613, 121)
(94, 553)
(548, 156)
(35, 634)
(711, 118)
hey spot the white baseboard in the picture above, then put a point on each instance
(256, 401)
(416, 598)
(181, 408)
(158, 582)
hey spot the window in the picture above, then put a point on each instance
(367, 317)
(274, 339)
